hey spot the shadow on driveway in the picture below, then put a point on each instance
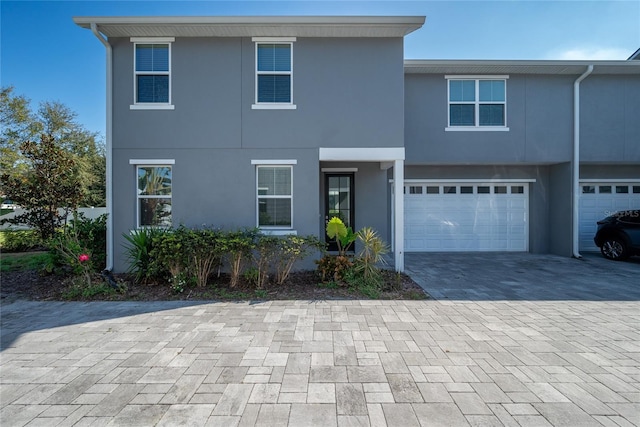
(524, 277)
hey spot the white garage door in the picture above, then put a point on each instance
(599, 200)
(458, 217)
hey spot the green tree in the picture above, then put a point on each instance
(20, 123)
(49, 190)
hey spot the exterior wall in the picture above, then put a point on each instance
(610, 171)
(560, 210)
(539, 118)
(213, 133)
(539, 192)
(610, 119)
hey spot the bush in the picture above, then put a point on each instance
(20, 240)
(238, 246)
(92, 233)
(291, 249)
(204, 251)
(138, 252)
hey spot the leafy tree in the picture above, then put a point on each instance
(51, 185)
(20, 123)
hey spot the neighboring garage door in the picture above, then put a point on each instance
(599, 200)
(458, 217)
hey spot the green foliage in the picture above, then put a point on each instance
(168, 254)
(24, 261)
(20, 123)
(49, 191)
(81, 245)
(204, 253)
(138, 248)
(80, 290)
(20, 240)
(334, 268)
(289, 250)
(260, 293)
(342, 234)
(251, 275)
(263, 255)
(238, 246)
(373, 249)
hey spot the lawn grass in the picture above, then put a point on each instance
(22, 261)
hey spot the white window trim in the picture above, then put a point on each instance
(274, 162)
(275, 229)
(477, 103)
(273, 105)
(155, 163)
(151, 105)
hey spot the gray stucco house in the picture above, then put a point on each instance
(281, 122)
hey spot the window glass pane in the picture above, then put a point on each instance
(462, 115)
(274, 181)
(274, 88)
(433, 190)
(491, 115)
(152, 57)
(155, 212)
(588, 189)
(622, 189)
(462, 90)
(517, 189)
(484, 189)
(415, 189)
(153, 88)
(604, 189)
(636, 189)
(466, 189)
(154, 181)
(274, 212)
(449, 190)
(274, 57)
(491, 90)
(500, 189)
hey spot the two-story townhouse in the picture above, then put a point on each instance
(283, 122)
(491, 148)
(272, 122)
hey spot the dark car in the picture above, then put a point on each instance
(618, 235)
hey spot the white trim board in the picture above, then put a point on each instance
(274, 162)
(152, 161)
(497, 180)
(361, 154)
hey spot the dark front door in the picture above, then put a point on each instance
(339, 200)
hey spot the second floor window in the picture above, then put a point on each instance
(477, 103)
(152, 69)
(274, 73)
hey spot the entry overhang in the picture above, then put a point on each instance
(369, 154)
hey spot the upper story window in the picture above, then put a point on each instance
(274, 73)
(152, 73)
(477, 103)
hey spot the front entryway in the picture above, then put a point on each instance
(339, 200)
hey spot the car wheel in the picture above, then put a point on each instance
(614, 248)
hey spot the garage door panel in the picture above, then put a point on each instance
(467, 222)
(599, 200)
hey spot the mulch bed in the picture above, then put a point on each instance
(31, 285)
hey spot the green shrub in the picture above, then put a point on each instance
(138, 252)
(289, 250)
(204, 250)
(20, 240)
(237, 245)
(92, 233)
(168, 254)
(263, 255)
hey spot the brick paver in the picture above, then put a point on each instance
(402, 363)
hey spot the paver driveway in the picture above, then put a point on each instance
(440, 362)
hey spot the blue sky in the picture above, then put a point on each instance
(47, 57)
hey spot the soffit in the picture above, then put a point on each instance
(247, 26)
(472, 67)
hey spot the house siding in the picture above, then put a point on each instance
(345, 100)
